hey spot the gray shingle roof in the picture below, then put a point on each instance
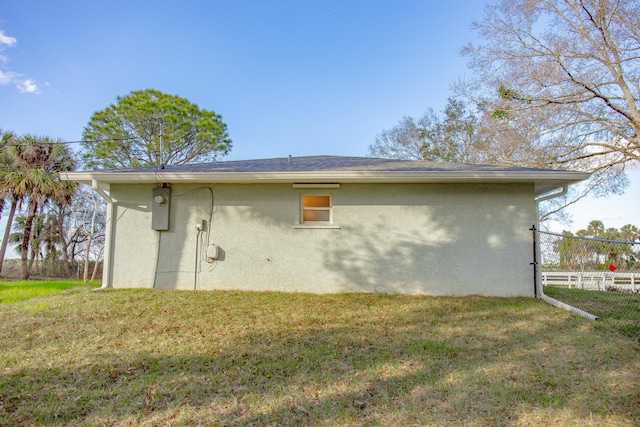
(330, 169)
(326, 164)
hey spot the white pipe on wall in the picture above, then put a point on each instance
(538, 267)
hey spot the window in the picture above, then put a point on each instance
(316, 209)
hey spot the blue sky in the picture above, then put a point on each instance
(288, 77)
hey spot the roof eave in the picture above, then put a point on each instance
(544, 181)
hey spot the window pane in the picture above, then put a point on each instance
(321, 215)
(316, 201)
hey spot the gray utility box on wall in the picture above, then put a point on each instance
(160, 208)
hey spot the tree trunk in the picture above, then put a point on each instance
(33, 257)
(86, 254)
(72, 259)
(85, 276)
(7, 231)
(95, 267)
(63, 239)
(28, 225)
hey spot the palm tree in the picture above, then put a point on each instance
(57, 216)
(33, 175)
(596, 228)
(6, 193)
(41, 235)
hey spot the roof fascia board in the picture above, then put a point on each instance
(544, 182)
(320, 176)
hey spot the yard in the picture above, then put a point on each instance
(145, 358)
(619, 309)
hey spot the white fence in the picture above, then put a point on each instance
(593, 280)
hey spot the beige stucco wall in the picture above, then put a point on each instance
(435, 239)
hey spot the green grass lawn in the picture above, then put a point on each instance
(619, 309)
(17, 291)
(148, 358)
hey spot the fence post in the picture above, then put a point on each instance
(535, 261)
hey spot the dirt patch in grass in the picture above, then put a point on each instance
(241, 358)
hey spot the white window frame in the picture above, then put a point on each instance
(316, 224)
(329, 208)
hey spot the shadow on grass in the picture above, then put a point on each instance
(384, 361)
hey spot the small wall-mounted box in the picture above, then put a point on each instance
(213, 252)
(160, 208)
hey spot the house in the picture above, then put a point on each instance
(324, 224)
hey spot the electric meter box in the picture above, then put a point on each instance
(160, 208)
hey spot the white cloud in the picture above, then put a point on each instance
(6, 40)
(8, 77)
(23, 85)
(27, 86)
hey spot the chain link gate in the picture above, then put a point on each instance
(599, 277)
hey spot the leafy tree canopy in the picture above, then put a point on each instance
(597, 229)
(31, 171)
(129, 132)
(450, 136)
(609, 247)
(555, 85)
(568, 66)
